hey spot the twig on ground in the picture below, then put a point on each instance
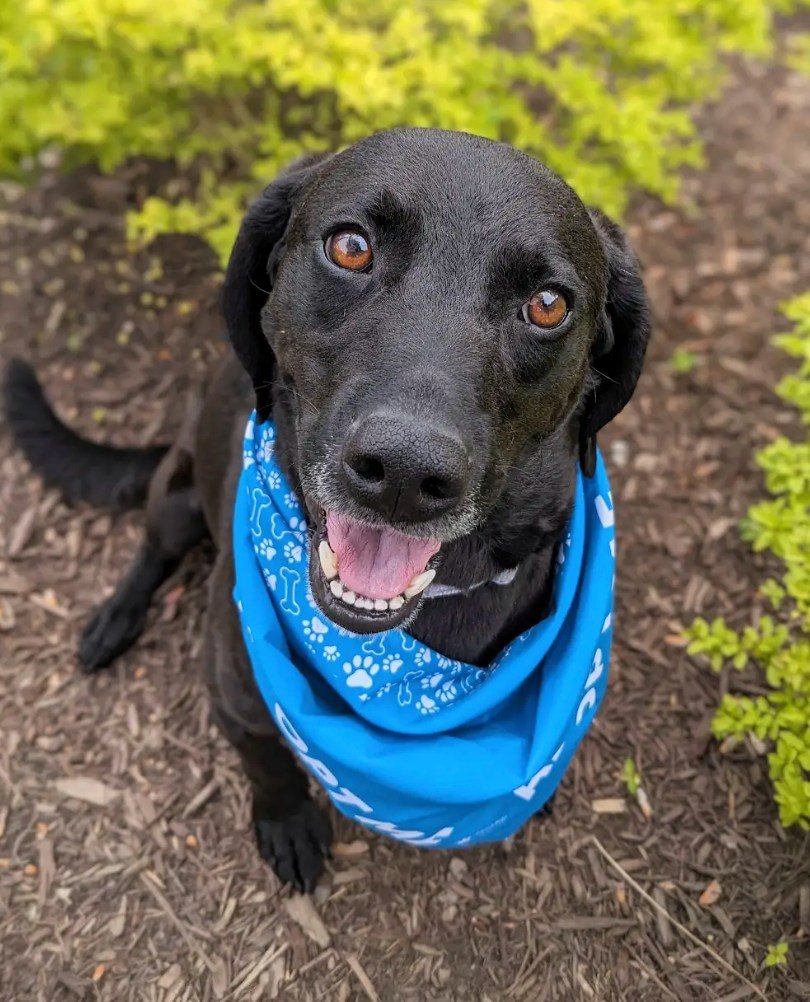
(673, 921)
(362, 977)
(174, 919)
(253, 971)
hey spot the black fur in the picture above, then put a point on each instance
(83, 471)
(620, 346)
(463, 231)
(254, 256)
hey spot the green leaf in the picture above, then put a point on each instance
(777, 954)
(630, 776)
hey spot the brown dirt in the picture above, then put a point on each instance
(155, 891)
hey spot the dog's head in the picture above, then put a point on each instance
(437, 322)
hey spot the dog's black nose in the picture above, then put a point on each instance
(405, 469)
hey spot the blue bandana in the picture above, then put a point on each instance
(421, 747)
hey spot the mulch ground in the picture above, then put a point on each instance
(127, 869)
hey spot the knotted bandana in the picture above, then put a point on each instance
(421, 747)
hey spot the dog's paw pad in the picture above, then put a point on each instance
(110, 631)
(296, 846)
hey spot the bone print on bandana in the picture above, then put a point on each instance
(424, 748)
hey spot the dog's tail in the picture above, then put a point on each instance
(80, 469)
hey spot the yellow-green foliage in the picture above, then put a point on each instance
(599, 89)
(782, 525)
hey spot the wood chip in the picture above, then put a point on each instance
(349, 876)
(609, 805)
(201, 797)
(253, 972)
(590, 922)
(7, 617)
(12, 583)
(21, 533)
(117, 924)
(48, 601)
(644, 803)
(710, 894)
(91, 791)
(169, 976)
(171, 603)
(302, 911)
(347, 849)
(227, 914)
(665, 934)
(47, 870)
(277, 977)
(362, 977)
(804, 903)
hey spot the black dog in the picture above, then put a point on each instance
(439, 328)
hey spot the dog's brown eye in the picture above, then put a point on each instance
(349, 249)
(546, 309)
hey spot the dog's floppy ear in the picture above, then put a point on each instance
(624, 329)
(250, 272)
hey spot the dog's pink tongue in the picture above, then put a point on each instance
(377, 563)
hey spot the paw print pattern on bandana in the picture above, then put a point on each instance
(267, 550)
(426, 705)
(360, 671)
(268, 446)
(315, 630)
(293, 552)
(392, 663)
(447, 691)
(290, 534)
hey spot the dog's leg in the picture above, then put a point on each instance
(547, 810)
(174, 523)
(292, 833)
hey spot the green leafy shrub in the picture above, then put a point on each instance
(599, 89)
(782, 525)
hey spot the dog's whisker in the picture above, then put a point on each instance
(257, 286)
(605, 376)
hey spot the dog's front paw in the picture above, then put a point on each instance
(296, 846)
(112, 628)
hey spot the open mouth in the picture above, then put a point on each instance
(367, 578)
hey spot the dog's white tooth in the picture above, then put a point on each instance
(328, 560)
(419, 583)
(368, 603)
(396, 602)
(349, 597)
(380, 604)
(336, 587)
